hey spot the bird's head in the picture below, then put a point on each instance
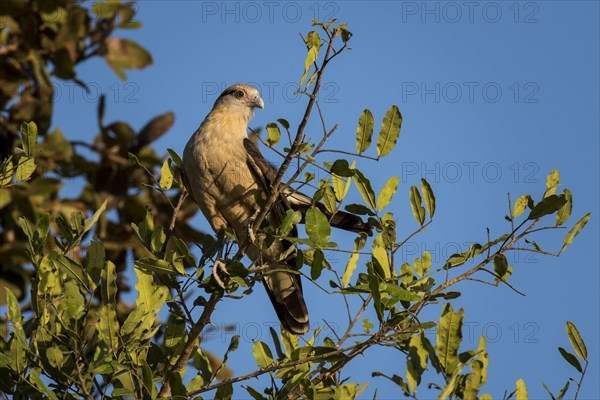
(241, 99)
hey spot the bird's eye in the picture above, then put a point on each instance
(239, 94)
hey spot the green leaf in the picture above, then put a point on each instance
(449, 337)
(423, 264)
(273, 134)
(521, 204)
(500, 265)
(374, 289)
(73, 269)
(290, 342)
(7, 172)
(224, 392)
(415, 203)
(359, 209)
(367, 325)
(575, 231)
(262, 354)
(380, 255)
(552, 182)
(34, 377)
(291, 218)
(317, 264)
(521, 392)
(29, 136)
(576, 340)
(25, 169)
(89, 223)
(386, 194)
(406, 273)
(548, 205)
(317, 227)
(564, 212)
(109, 326)
(95, 261)
(416, 362)
(390, 130)
(428, 196)
(166, 176)
(571, 359)
(313, 42)
(359, 243)
(125, 54)
(364, 131)
(365, 189)
(175, 157)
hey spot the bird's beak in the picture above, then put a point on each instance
(258, 102)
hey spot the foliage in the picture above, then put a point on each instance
(77, 339)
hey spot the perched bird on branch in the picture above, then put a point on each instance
(225, 173)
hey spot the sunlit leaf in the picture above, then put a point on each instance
(166, 176)
(390, 130)
(262, 354)
(521, 204)
(449, 337)
(575, 231)
(416, 205)
(273, 134)
(365, 189)
(428, 197)
(564, 212)
(552, 182)
(521, 392)
(576, 340)
(364, 131)
(317, 227)
(386, 194)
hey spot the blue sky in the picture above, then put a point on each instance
(494, 95)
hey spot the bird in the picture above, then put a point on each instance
(225, 174)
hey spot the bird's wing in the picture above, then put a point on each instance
(284, 289)
(264, 175)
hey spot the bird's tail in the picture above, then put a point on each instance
(285, 292)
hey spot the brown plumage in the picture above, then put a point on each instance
(223, 171)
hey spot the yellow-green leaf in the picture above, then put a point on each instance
(29, 136)
(364, 131)
(7, 172)
(359, 243)
(317, 227)
(25, 169)
(390, 130)
(262, 354)
(423, 264)
(575, 231)
(521, 392)
(386, 194)
(521, 205)
(380, 254)
(365, 189)
(449, 337)
(273, 134)
(552, 182)
(428, 196)
(563, 214)
(166, 176)
(415, 203)
(576, 340)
